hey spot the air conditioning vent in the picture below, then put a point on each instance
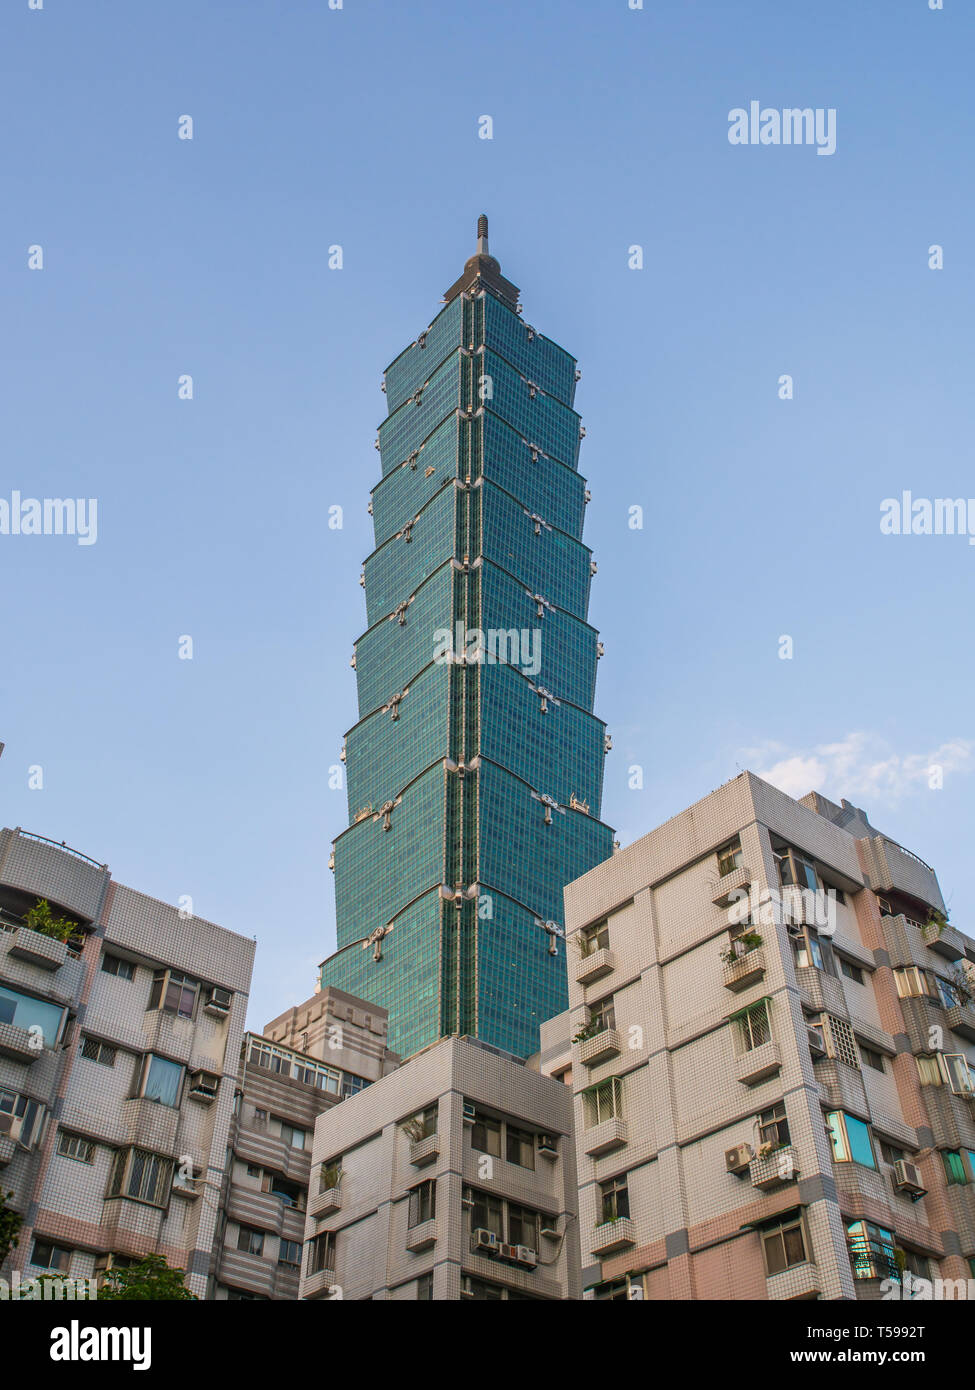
(470, 1112)
(816, 1044)
(907, 1178)
(526, 1256)
(485, 1240)
(738, 1159)
(548, 1145)
(204, 1086)
(218, 1001)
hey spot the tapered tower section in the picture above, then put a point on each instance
(475, 770)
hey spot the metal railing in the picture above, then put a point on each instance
(58, 844)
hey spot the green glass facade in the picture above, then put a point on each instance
(475, 770)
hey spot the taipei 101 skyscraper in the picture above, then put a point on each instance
(475, 771)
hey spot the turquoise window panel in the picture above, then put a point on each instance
(542, 419)
(405, 981)
(548, 563)
(544, 485)
(383, 753)
(397, 569)
(414, 365)
(378, 872)
(568, 644)
(403, 492)
(390, 654)
(520, 984)
(537, 358)
(412, 422)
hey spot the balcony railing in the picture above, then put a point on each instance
(59, 844)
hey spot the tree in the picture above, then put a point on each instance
(10, 1223)
(150, 1280)
(41, 918)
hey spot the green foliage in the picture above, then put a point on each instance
(748, 941)
(592, 1029)
(151, 1280)
(41, 918)
(10, 1223)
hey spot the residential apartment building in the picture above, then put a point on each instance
(119, 1052)
(773, 1060)
(281, 1092)
(453, 1177)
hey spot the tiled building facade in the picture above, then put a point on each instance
(452, 1178)
(769, 1109)
(281, 1092)
(119, 1054)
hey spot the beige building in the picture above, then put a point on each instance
(119, 1052)
(774, 1059)
(454, 1177)
(281, 1091)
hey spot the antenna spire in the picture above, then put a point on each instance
(482, 235)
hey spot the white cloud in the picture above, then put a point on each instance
(860, 766)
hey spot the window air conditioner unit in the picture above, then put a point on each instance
(738, 1159)
(218, 1001)
(485, 1240)
(470, 1112)
(548, 1145)
(204, 1086)
(526, 1256)
(907, 1178)
(817, 1046)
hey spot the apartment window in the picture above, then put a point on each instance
(912, 982)
(73, 1146)
(487, 1213)
(773, 1126)
(852, 972)
(954, 1167)
(929, 1070)
(486, 1134)
(752, 1027)
(47, 1255)
(890, 1153)
(522, 1226)
(141, 1175)
(519, 1146)
(795, 870)
(614, 1198)
(321, 1077)
(161, 1080)
(871, 1251)
(97, 1051)
(250, 1241)
(602, 1016)
(594, 938)
(424, 1288)
(959, 1072)
(24, 1011)
(947, 992)
(811, 950)
(294, 1137)
(174, 993)
(613, 1291)
(970, 1155)
(352, 1085)
(253, 1170)
(784, 1244)
(321, 1252)
(851, 1139)
(918, 1265)
(483, 1292)
(115, 965)
(292, 1194)
(603, 1102)
(260, 1118)
(841, 1044)
(729, 858)
(423, 1202)
(30, 1113)
(873, 1059)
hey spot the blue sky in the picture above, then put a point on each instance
(358, 127)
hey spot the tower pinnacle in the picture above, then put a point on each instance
(482, 272)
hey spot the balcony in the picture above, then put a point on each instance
(593, 967)
(961, 1020)
(758, 1064)
(946, 941)
(7, 1150)
(424, 1151)
(318, 1285)
(891, 868)
(732, 886)
(746, 970)
(19, 1045)
(610, 1236)
(802, 1281)
(421, 1237)
(603, 1138)
(37, 949)
(599, 1048)
(773, 1169)
(325, 1203)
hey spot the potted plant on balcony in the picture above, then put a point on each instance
(937, 921)
(740, 946)
(331, 1177)
(41, 918)
(414, 1129)
(592, 1029)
